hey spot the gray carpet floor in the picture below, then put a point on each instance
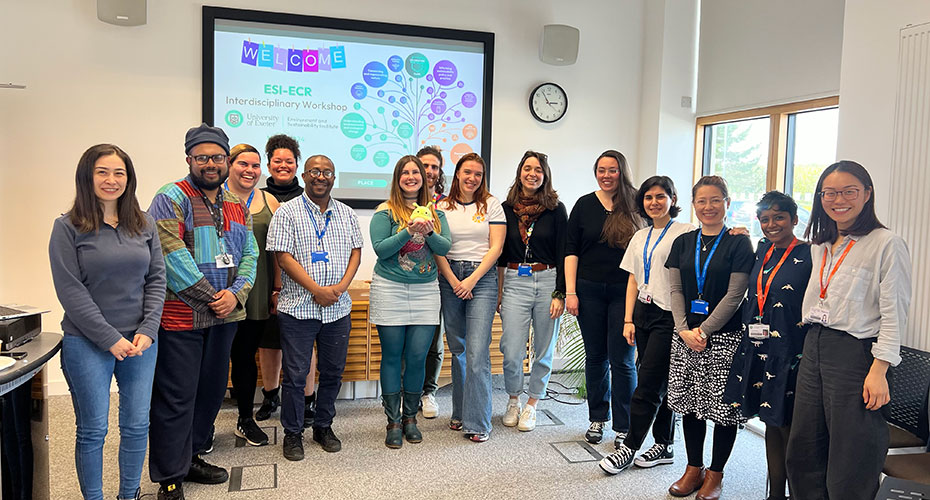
(549, 462)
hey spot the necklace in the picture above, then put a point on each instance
(704, 243)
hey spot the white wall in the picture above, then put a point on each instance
(755, 53)
(90, 82)
(868, 86)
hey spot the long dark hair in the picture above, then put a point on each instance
(624, 219)
(545, 195)
(87, 212)
(481, 194)
(667, 185)
(821, 228)
(439, 187)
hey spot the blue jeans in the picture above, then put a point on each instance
(88, 371)
(468, 332)
(332, 344)
(410, 345)
(609, 369)
(525, 299)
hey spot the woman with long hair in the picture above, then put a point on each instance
(532, 283)
(406, 232)
(856, 302)
(599, 230)
(709, 272)
(245, 169)
(648, 324)
(109, 275)
(468, 288)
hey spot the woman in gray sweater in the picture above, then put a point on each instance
(109, 275)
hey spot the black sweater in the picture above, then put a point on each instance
(547, 243)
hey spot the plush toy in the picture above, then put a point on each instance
(420, 212)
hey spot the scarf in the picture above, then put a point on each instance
(527, 210)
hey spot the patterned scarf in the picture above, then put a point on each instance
(527, 210)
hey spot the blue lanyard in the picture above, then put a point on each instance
(248, 203)
(647, 260)
(319, 234)
(702, 274)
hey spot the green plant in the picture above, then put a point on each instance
(571, 347)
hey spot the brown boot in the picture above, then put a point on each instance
(692, 479)
(712, 487)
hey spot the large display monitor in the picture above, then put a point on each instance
(362, 93)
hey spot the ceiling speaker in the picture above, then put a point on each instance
(121, 12)
(559, 44)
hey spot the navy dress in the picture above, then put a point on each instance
(764, 372)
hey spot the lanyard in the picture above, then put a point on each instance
(701, 273)
(526, 249)
(319, 234)
(823, 262)
(216, 215)
(760, 294)
(248, 203)
(647, 260)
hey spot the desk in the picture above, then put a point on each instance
(38, 351)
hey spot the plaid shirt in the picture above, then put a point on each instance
(292, 231)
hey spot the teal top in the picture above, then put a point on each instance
(405, 258)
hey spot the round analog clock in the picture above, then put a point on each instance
(548, 103)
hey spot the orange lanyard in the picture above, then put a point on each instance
(760, 294)
(823, 262)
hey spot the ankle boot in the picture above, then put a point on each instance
(712, 487)
(270, 402)
(690, 481)
(411, 405)
(394, 437)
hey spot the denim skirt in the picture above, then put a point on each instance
(399, 304)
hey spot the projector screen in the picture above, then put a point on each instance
(362, 93)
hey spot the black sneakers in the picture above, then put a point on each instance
(247, 429)
(327, 439)
(173, 491)
(659, 454)
(204, 473)
(270, 403)
(294, 447)
(595, 432)
(309, 410)
(618, 460)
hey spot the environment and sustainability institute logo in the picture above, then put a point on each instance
(265, 55)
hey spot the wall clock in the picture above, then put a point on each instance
(548, 103)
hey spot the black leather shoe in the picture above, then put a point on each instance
(172, 491)
(204, 473)
(294, 447)
(327, 439)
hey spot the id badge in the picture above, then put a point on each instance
(645, 297)
(319, 256)
(224, 260)
(699, 306)
(524, 270)
(818, 314)
(758, 331)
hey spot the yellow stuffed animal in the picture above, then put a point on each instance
(421, 212)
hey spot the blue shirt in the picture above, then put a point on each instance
(293, 231)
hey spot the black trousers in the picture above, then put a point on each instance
(244, 372)
(654, 330)
(188, 390)
(837, 447)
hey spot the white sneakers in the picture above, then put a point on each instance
(430, 408)
(512, 415)
(527, 418)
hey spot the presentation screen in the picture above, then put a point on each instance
(362, 93)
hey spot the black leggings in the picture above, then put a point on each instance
(724, 437)
(244, 371)
(776, 448)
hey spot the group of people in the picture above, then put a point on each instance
(218, 270)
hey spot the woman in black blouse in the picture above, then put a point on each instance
(709, 272)
(599, 229)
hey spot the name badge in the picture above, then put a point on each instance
(699, 306)
(224, 260)
(818, 314)
(524, 270)
(758, 331)
(319, 256)
(645, 297)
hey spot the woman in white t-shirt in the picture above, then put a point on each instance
(468, 288)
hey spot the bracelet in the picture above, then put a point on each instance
(558, 295)
(276, 289)
(625, 322)
(570, 293)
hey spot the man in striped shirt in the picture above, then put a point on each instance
(210, 258)
(318, 244)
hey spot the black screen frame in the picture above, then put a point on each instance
(211, 14)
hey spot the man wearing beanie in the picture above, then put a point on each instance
(210, 258)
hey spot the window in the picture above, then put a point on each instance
(780, 147)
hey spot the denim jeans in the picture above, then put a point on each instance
(610, 372)
(468, 332)
(88, 371)
(297, 339)
(405, 345)
(525, 299)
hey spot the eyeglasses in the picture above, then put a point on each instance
(327, 174)
(204, 159)
(701, 203)
(848, 194)
(530, 152)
